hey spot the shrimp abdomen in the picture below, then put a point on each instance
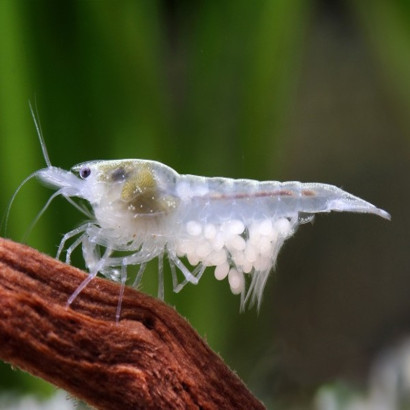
(221, 198)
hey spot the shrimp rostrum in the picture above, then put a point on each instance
(143, 210)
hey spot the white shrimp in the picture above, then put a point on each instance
(142, 210)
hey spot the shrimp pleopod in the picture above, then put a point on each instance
(142, 210)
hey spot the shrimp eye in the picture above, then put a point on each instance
(85, 172)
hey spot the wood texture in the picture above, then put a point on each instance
(151, 359)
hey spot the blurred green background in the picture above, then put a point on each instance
(272, 90)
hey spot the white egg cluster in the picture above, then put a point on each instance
(233, 248)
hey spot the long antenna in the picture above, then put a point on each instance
(37, 124)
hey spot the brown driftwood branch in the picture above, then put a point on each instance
(151, 359)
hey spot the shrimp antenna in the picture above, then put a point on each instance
(36, 119)
(30, 228)
(85, 211)
(81, 208)
(6, 218)
(37, 124)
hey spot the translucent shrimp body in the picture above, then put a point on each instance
(145, 210)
